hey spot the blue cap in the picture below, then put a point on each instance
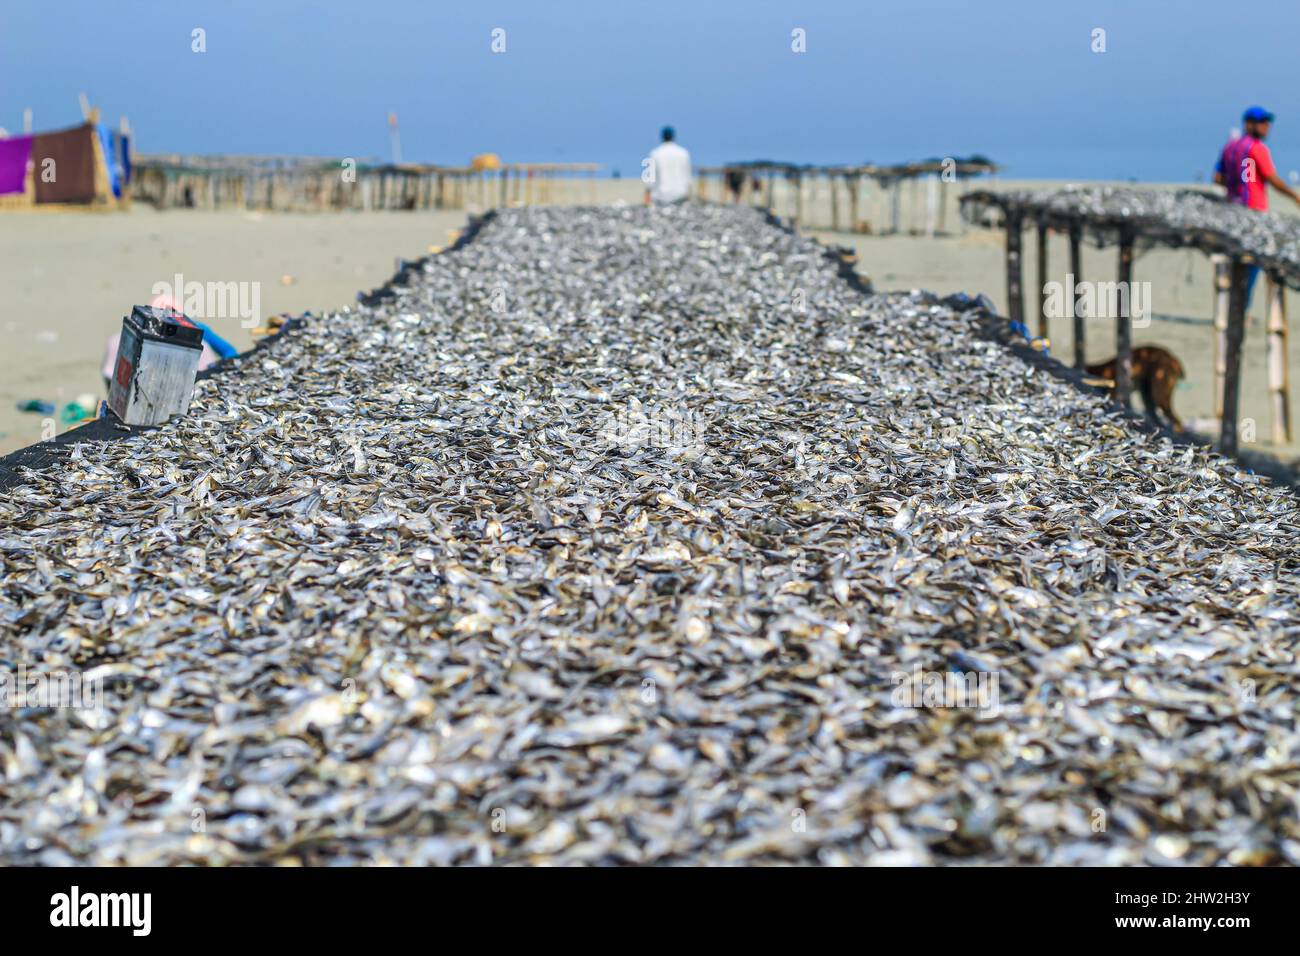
(1257, 114)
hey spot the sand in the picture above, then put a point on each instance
(68, 279)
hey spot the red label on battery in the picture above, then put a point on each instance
(123, 371)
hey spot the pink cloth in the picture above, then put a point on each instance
(14, 154)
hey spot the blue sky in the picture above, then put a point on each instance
(880, 81)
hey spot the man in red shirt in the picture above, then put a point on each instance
(1245, 165)
(1245, 169)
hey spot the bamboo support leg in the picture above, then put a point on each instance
(1232, 358)
(1015, 294)
(931, 204)
(1044, 326)
(1076, 280)
(1222, 295)
(1279, 386)
(1124, 324)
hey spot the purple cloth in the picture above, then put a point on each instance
(14, 154)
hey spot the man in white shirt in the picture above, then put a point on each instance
(669, 171)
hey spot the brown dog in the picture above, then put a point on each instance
(1155, 375)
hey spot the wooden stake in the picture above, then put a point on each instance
(931, 204)
(1015, 295)
(1279, 387)
(1232, 358)
(1076, 270)
(896, 200)
(835, 203)
(1222, 294)
(853, 203)
(1124, 322)
(1044, 329)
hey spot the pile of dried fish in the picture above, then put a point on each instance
(635, 536)
(1167, 217)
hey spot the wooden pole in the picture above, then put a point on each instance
(931, 204)
(1124, 322)
(1076, 271)
(1015, 295)
(896, 201)
(835, 203)
(1222, 294)
(943, 204)
(1044, 328)
(853, 203)
(1279, 386)
(1232, 358)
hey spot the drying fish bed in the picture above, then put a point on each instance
(606, 539)
(1131, 219)
(1155, 217)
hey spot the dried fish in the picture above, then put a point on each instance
(634, 535)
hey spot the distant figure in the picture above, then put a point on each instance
(1156, 373)
(671, 168)
(1245, 170)
(1246, 165)
(735, 183)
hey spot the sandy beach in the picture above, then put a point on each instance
(69, 278)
